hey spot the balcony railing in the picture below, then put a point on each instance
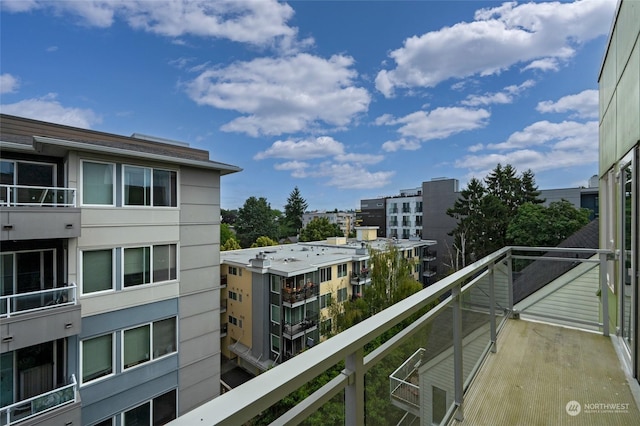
(22, 303)
(43, 196)
(292, 329)
(294, 295)
(456, 321)
(362, 277)
(39, 404)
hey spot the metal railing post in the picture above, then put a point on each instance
(604, 294)
(510, 280)
(492, 307)
(354, 391)
(458, 376)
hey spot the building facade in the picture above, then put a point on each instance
(110, 276)
(619, 88)
(278, 299)
(373, 213)
(404, 214)
(346, 220)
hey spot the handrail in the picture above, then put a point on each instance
(41, 403)
(11, 300)
(46, 198)
(236, 407)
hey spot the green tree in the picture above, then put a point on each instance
(391, 279)
(538, 226)
(225, 233)
(230, 244)
(293, 211)
(320, 229)
(485, 210)
(264, 242)
(255, 219)
(229, 216)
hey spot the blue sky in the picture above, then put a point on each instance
(346, 100)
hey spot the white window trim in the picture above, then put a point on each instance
(81, 186)
(113, 360)
(151, 206)
(151, 357)
(81, 272)
(152, 281)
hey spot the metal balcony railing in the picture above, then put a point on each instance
(39, 404)
(455, 320)
(294, 295)
(42, 196)
(291, 329)
(22, 303)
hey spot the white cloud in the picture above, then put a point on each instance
(540, 146)
(359, 158)
(506, 96)
(51, 49)
(532, 34)
(350, 176)
(258, 22)
(439, 123)
(544, 132)
(8, 83)
(476, 147)
(401, 144)
(47, 108)
(283, 95)
(584, 104)
(320, 147)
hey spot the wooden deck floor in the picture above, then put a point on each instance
(547, 375)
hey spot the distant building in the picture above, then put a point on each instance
(404, 214)
(346, 220)
(276, 301)
(373, 213)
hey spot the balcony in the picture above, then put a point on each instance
(429, 272)
(223, 305)
(470, 349)
(293, 330)
(223, 281)
(23, 303)
(361, 278)
(38, 212)
(223, 330)
(41, 405)
(429, 256)
(306, 293)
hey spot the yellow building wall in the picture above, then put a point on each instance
(239, 284)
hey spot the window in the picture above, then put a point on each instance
(342, 294)
(439, 403)
(325, 300)
(97, 271)
(97, 183)
(275, 314)
(164, 262)
(138, 182)
(159, 411)
(275, 284)
(326, 326)
(148, 342)
(325, 274)
(233, 320)
(233, 270)
(97, 357)
(137, 264)
(342, 270)
(275, 343)
(233, 295)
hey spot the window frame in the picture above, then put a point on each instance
(151, 403)
(84, 382)
(343, 291)
(173, 248)
(342, 270)
(113, 183)
(151, 188)
(152, 358)
(325, 274)
(113, 272)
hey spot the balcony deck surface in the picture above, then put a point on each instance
(539, 369)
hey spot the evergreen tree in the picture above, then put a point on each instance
(293, 211)
(255, 219)
(320, 229)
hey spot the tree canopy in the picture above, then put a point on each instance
(264, 242)
(538, 226)
(320, 229)
(485, 210)
(255, 219)
(293, 211)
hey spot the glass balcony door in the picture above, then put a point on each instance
(27, 272)
(628, 288)
(23, 173)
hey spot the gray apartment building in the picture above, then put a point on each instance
(110, 303)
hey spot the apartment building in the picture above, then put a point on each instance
(619, 88)
(109, 311)
(404, 214)
(346, 220)
(277, 300)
